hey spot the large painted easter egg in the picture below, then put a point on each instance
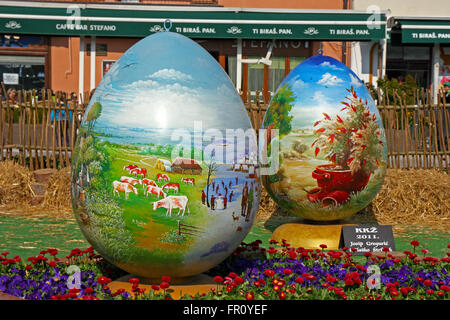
(325, 147)
(165, 174)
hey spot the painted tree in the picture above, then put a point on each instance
(212, 169)
(352, 141)
(279, 109)
(93, 114)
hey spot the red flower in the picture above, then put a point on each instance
(269, 273)
(367, 254)
(430, 291)
(404, 291)
(282, 295)
(349, 282)
(28, 267)
(445, 288)
(394, 293)
(134, 281)
(229, 288)
(165, 278)
(326, 116)
(415, 243)
(232, 275)
(299, 280)
(249, 296)
(386, 249)
(88, 290)
(440, 293)
(218, 279)
(287, 271)
(323, 246)
(238, 280)
(164, 285)
(5, 253)
(155, 287)
(103, 280)
(292, 254)
(52, 264)
(428, 283)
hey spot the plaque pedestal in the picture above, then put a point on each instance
(309, 236)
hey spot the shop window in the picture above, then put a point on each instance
(260, 77)
(255, 78)
(231, 68)
(22, 72)
(276, 73)
(409, 60)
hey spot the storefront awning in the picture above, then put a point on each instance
(137, 20)
(425, 30)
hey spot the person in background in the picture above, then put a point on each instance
(12, 95)
(59, 117)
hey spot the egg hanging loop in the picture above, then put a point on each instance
(169, 23)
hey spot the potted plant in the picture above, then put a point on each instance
(352, 143)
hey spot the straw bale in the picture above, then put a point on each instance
(15, 184)
(58, 192)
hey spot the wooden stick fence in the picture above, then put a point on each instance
(417, 135)
(39, 132)
(188, 229)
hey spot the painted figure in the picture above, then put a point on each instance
(203, 197)
(244, 200)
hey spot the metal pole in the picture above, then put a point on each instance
(81, 68)
(93, 45)
(239, 65)
(435, 71)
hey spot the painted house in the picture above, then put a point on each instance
(186, 166)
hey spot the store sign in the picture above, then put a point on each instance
(425, 31)
(11, 78)
(422, 36)
(216, 24)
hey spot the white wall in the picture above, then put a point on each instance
(418, 8)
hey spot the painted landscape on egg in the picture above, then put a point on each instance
(148, 202)
(332, 144)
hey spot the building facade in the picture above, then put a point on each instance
(69, 45)
(418, 44)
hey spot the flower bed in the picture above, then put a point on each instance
(251, 272)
